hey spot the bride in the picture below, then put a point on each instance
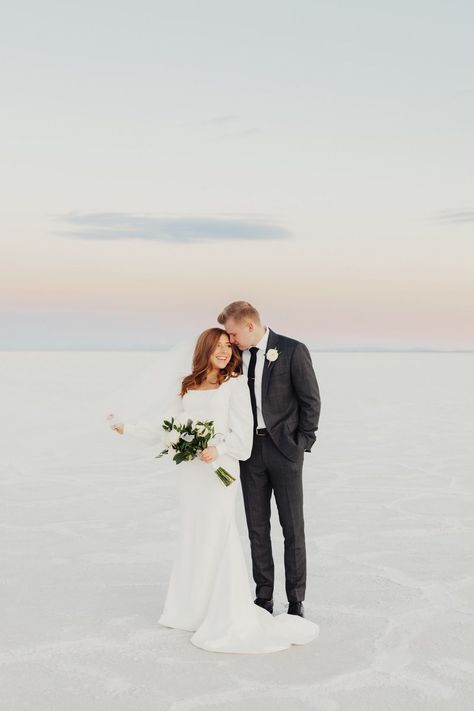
(209, 591)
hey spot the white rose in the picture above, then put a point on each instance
(272, 354)
(187, 437)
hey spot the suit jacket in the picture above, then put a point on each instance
(291, 402)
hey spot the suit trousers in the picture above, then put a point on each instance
(265, 472)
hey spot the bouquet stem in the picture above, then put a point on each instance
(223, 474)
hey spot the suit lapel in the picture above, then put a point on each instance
(268, 365)
(241, 366)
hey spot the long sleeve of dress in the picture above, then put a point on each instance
(149, 429)
(237, 442)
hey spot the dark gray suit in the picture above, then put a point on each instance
(290, 408)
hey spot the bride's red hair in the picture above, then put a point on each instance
(205, 346)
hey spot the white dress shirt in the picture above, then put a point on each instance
(262, 347)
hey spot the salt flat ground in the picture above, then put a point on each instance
(87, 534)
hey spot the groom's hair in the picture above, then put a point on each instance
(239, 310)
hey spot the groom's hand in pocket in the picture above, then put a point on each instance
(302, 441)
(208, 454)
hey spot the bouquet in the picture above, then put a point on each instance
(187, 439)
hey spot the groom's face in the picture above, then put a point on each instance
(241, 333)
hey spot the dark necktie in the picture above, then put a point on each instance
(251, 383)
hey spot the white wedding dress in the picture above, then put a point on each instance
(209, 591)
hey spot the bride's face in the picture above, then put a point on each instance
(222, 353)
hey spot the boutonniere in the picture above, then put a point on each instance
(272, 354)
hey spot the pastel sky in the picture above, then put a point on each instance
(161, 159)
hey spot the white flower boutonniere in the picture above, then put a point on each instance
(272, 354)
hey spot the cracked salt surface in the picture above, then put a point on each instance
(87, 534)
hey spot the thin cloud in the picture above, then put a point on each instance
(241, 134)
(185, 230)
(214, 121)
(230, 122)
(454, 216)
(222, 119)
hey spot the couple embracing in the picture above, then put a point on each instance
(260, 390)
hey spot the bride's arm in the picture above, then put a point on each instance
(238, 441)
(150, 429)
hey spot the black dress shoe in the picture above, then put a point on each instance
(266, 604)
(296, 608)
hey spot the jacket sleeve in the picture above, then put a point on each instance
(306, 388)
(238, 441)
(149, 429)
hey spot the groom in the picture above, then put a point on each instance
(285, 402)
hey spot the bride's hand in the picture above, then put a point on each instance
(208, 454)
(114, 425)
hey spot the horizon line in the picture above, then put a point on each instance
(155, 349)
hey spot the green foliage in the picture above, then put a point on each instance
(193, 438)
